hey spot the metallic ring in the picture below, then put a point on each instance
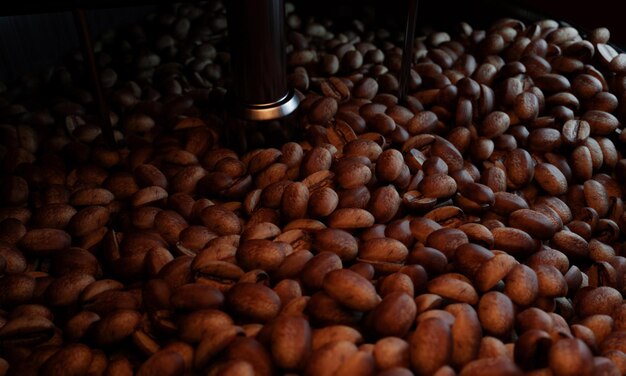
(270, 111)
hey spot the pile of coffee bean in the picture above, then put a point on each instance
(476, 228)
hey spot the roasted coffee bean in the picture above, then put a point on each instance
(351, 290)
(350, 218)
(533, 222)
(384, 203)
(335, 88)
(521, 285)
(544, 140)
(352, 173)
(389, 165)
(575, 132)
(337, 241)
(495, 124)
(265, 305)
(446, 240)
(526, 106)
(365, 88)
(260, 253)
(519, 167)
(323, 202)
(453, 287)
(495, 311)
(394, 315)
(45, 241)
(429, 361)
(601, 300)
(601, 123)
(551, 179)
(323, 110)
(221, 220)
(383, 253)
(437, 186)
(514, 241)
(423, 122)
(569, 357)
(74, 358)
(291, 342)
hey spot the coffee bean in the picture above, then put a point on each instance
(494, 270)
(430, 361)
(289, 351)
(45, 241)
(336, 89)
(384, 203)
(519, 167)
(446, 240)
(385, 318)
(618, 64)
(495, 365)
(551, 179)
(575, 132)
(453, 287)
(437, 186)
(263, 307)
(349, 218)
(495, 124)
(389, 165)
(565, 349)
(582, 164)
(351, 290)
(601, 123)
(533, 222)
(366, 88)
(260, 253)
(323, 110)
(423, 122)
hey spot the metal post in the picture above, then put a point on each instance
(256, 29)
(87, 48)
(407, 53)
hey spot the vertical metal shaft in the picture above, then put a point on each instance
(407, 53)
(87, 48)
(256, 32)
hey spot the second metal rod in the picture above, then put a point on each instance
(407, 53)
(90, 59)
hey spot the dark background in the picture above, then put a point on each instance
(586, 15)
(31, 42)
(34, 34)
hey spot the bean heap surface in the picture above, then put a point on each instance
(474, 229)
